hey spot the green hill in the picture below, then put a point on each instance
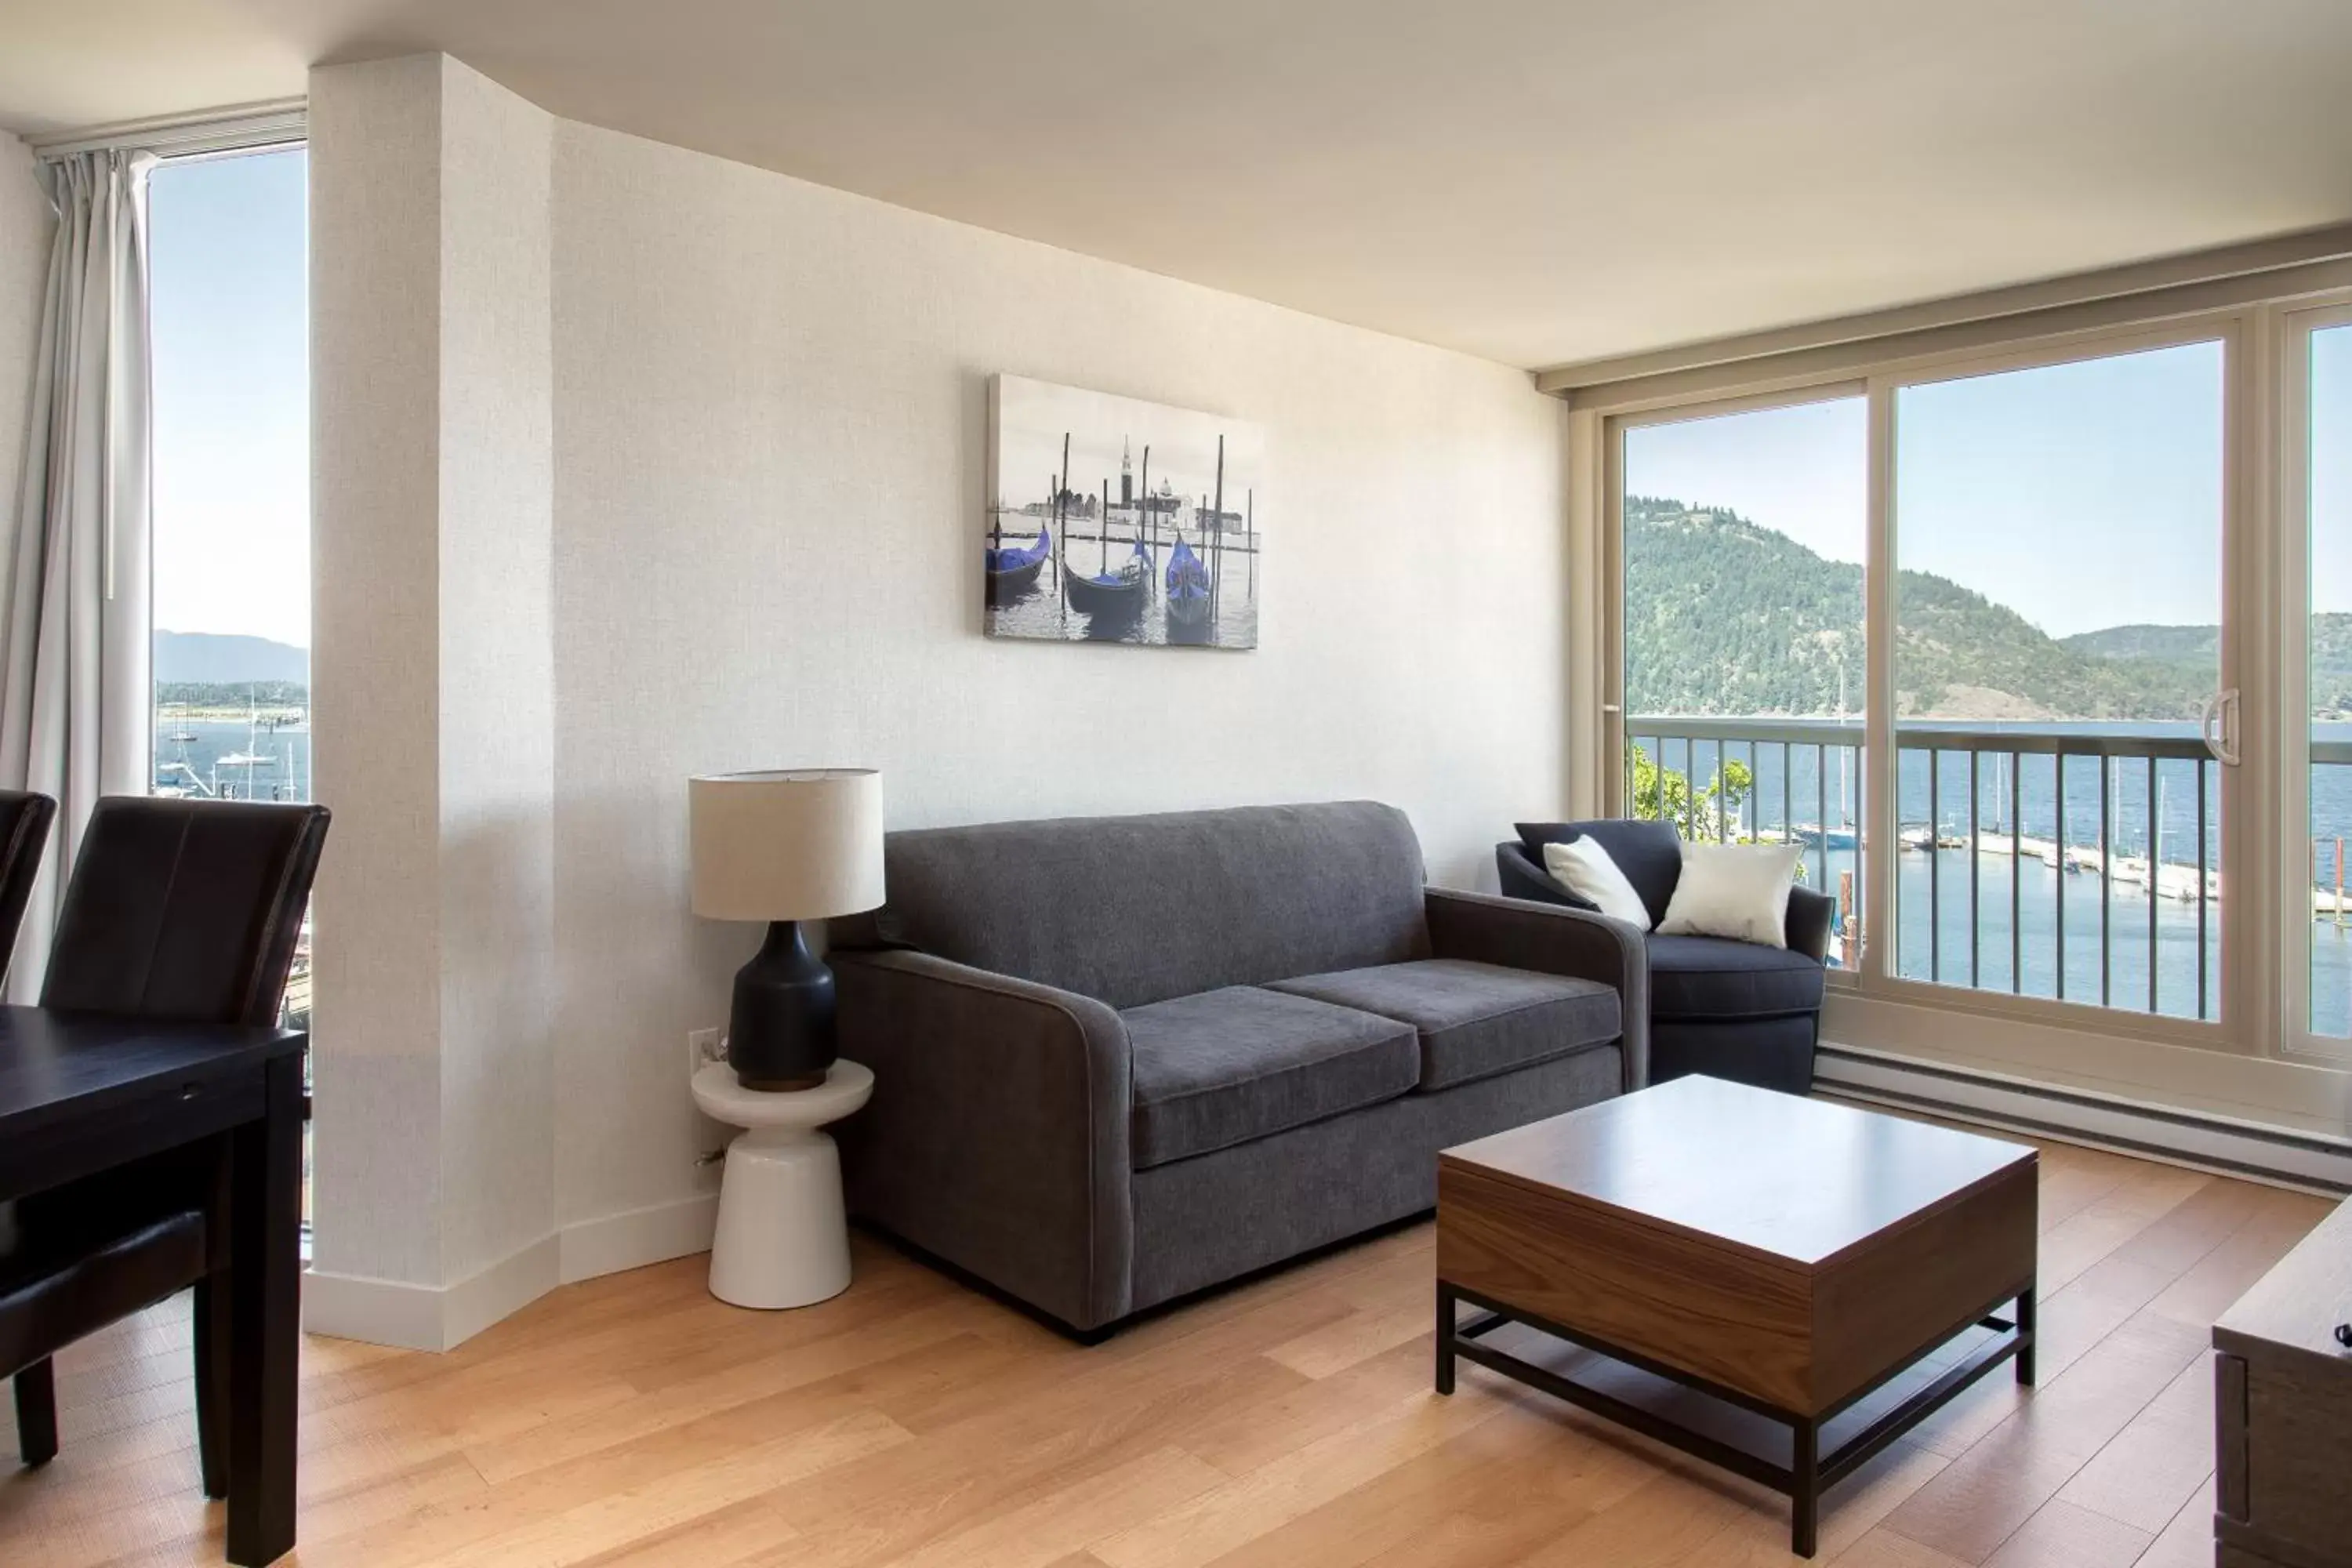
(1724, 616)
(2331, 653)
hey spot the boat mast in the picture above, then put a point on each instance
(1217, 515)
(1143, 499)
(1061, 534)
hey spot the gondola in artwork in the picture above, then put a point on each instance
(1114, 520)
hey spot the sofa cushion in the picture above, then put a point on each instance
(1225, 1066)
(1475, 1020)
(1715, 977)
(1132, 910)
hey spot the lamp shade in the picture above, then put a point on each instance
(790, 845)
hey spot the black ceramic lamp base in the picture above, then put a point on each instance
(780, 1029)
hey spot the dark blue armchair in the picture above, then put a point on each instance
(1729, 1009)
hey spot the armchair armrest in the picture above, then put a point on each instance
(1552, 940)
(998, 1134)
(1810, 914)
(1524, 877)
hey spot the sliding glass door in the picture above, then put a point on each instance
(1743, 538)
(2318, 888)
(2059, 632)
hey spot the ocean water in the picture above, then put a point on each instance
(2115, 948)
(189, 758)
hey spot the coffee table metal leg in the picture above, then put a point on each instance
(1445, 1319)
(1804, 1486)
(2025, 1315)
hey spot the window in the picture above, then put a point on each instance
(1744, 536)
(2058, 635)
(2326, 655)
(228, 272)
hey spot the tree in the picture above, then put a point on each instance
(1664, 794)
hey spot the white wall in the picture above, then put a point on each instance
(431, 655)
(767, 403)
(26, 226)
(771, 431)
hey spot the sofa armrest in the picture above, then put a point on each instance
(1810, 914)
(997, 1138)
(1579, 943)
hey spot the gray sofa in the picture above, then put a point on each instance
(1118, 1060)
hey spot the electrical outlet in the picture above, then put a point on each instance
(702, 1048)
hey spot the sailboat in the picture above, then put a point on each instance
(253, 756)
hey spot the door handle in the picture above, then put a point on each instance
(2217, 726)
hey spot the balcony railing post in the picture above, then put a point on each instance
(1976, 910)
(2107, 885)
(2016, 875)
(1714, 790)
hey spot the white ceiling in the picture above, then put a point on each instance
(1537, 181)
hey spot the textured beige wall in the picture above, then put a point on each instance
(375, 301)
(26, 226)
(497, 695)
(770, 431)
(431, 656)
(632, 463)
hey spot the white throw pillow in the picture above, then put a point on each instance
(1739, 891)
(1584, 868)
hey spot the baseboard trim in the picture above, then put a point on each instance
(2223, 1144)
(376, 1312)
(442, 1318)
(640, 1237)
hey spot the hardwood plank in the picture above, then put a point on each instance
(1884, 1549)
(2187, 1540)
(2157, 1462)
(2060, 1535)
(634, 1420)
(1986, 1494)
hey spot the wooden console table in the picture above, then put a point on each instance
(2283, 1412)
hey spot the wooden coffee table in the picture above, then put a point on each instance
(1787, 1257)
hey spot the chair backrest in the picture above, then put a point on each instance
(1649, 853)
(186, 910)
(1130, 910)
(25, 819)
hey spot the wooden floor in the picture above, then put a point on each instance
(633, 1419)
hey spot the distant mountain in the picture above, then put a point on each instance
(2331, 653)
(1724, 616)
(210, 658)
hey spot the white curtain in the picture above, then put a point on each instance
(75, 719)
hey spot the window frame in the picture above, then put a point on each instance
(2249, 1019)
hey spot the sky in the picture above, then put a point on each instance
(228, 280)
(2081, 495)
(1033, 416)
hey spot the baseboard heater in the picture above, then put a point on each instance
(2314, 1162)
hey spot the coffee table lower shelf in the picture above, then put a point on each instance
(1811, 1470)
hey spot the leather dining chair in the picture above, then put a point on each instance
(25, 821)
(187, 910)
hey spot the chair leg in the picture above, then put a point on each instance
(37, 1413)
(212, 1351)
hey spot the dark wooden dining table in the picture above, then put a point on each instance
(85, 1093)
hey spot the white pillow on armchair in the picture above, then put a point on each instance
(1739, 891)
(1584, 868)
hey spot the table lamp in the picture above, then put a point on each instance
(785, 847)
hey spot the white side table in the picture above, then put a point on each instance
(784, 1237)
